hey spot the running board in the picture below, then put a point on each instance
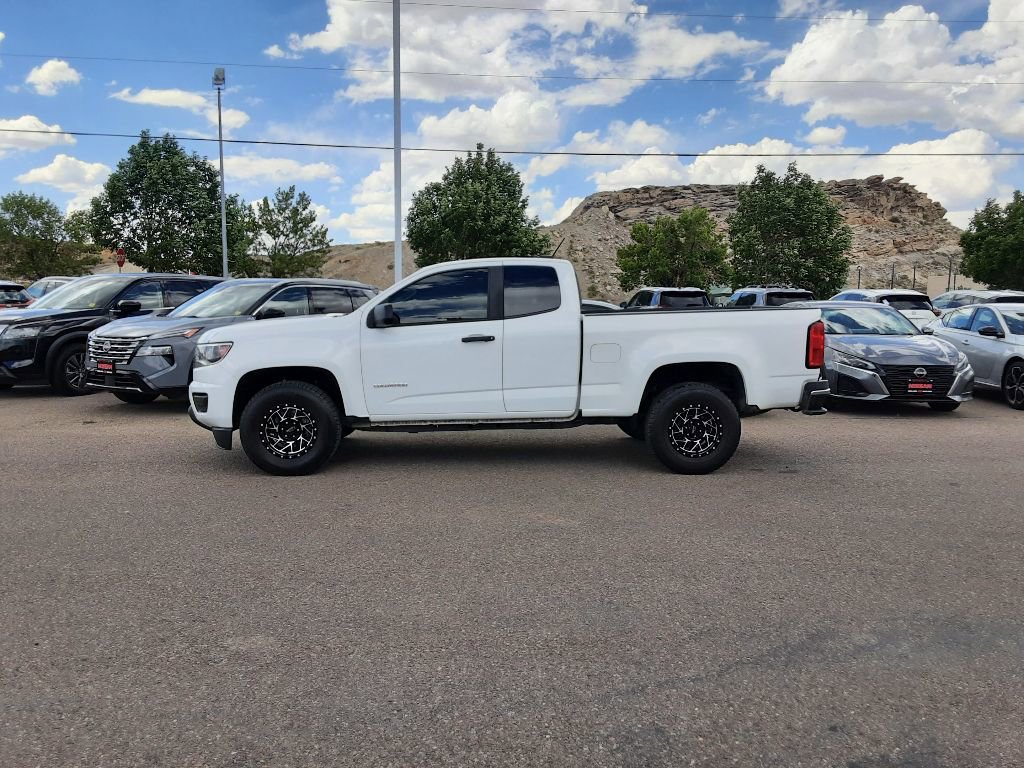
(466, 425)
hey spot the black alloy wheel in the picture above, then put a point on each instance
(693, 428)
(69, 374)
(1013, 384)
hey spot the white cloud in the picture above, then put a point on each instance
(47, 137)
(275, 51)
(896, 49)
(197, 103)
(806, 7)
(826, 136)
(69, 174)
(519, 118)
(49, 77)
(542, 205)
(706, 118)
(642, 171)
(278, 170)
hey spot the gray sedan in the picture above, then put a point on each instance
(992, 337)
(873, 352)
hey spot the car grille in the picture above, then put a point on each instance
(897, 377)
(121, 350)
(115, 381)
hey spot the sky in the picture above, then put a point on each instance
(714, 78)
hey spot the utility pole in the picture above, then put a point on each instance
(892, 280)
(858, 275)
(396, 60)
(914, 284)
(218, 83)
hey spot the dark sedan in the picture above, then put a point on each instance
(874, 353)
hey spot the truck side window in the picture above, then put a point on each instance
(447, 297)
(531, 291)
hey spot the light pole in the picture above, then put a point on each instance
(218, 83)
(396, 58)
(858, 275)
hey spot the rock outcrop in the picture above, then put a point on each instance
(892, 222)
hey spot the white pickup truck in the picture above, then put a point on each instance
(503, 344)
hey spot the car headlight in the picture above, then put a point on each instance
(186, 333)
(962, 363)
(21, 331)
(208, 354)
(853, 362)
(161, 350)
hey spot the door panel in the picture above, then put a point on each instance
(983, 351)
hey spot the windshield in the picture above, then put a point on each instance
(1014, 322)
(225, 300)
(779, 299)
(36, 289)
(868, 321)
(904, 303)
(680, 299)
(87, 293)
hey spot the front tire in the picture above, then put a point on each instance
(1013, 385)
(136, 398)
(944, 406)
(68, 374)
(693, 428)
(290, 428)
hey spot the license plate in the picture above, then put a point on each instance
(919, 386)
(105, 365)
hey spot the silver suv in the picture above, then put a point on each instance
(768, 296)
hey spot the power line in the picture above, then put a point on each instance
(531, 152)
(580, 78)
(735, 16)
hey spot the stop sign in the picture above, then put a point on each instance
(120, 257)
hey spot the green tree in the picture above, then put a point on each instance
(994, 244)
(288, 242)
(687, 250)
(477, 210)
(786, 229)
(162, 205)
(37, 240)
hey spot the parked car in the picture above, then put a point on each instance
(589, 306)
(873, 352)
(962, 298)
(768, 296)
(913, 305)
(13, 296)
(992, 337)
(46, 342)
(45, 285)
(668, 298)
(140, 358)
(500, 344)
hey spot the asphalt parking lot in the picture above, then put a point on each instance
(848, 591)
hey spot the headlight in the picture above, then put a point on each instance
(162, 350)
(21, 331)
(853, 362)
(187, 333)
(208, 354)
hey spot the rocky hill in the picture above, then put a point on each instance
(892, 222)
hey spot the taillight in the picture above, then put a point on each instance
(816, 345)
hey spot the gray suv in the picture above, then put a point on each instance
(139, 359)
(768, 296)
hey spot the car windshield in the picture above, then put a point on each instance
(87, 293)
(867, 321)
(36, 289)
(781, 298)
(1014, 322)
(904, 303)
(679, 299)
(225, 300)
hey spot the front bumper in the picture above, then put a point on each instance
(221, 436)
(850, 383)
(147, 373)
(17, 362)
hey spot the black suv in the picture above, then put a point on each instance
(46, 342)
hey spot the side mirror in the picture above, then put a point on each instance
(271, 313)
(622, 304)
(126, 308)
(383, 315)
(928, 330)
(992, 332)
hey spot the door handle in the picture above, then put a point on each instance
(471, 339)
(965, 342)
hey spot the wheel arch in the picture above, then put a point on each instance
(253, 381)
(725, 376)
(59, 344)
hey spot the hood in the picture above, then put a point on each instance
(29, 315)
(144, 327)
(285, 328)
(896, 350)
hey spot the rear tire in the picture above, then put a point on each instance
(136, 398)
(693, 428)
(944, 406)
(634, 426)
(1013, 385)
(290, 428)
(67, 377)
